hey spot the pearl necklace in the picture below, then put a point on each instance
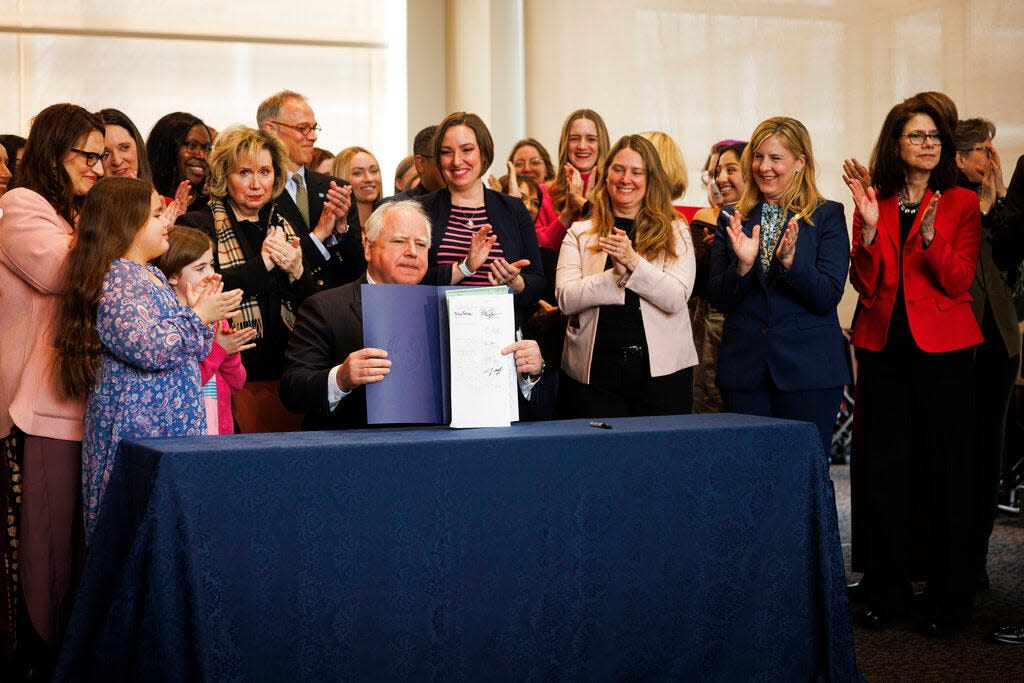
(905, 206)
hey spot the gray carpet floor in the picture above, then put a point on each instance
(901, 654)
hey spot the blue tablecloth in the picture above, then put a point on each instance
(686, 548)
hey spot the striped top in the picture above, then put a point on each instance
(454, 246)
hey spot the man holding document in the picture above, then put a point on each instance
(327, 367)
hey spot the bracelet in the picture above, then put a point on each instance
(464, 269)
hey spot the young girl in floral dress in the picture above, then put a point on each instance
(186, 263)
(122, 336)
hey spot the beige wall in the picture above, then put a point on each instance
(378, 72)
(703, 71)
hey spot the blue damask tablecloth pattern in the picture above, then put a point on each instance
(682, 548)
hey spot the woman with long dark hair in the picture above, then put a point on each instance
(178, 148)
(916, 238)
(41, 431)
(623, 278)
(582, 147)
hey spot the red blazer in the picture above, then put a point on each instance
(935, 280)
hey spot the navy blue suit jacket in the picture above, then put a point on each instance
(783, 322)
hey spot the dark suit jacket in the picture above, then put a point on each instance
(346, 263)
(1008, 230)
(783, 322)
(989, 287)
(328, 328)
(510, 221)
(935, 280)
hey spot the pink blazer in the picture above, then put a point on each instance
(582, 285)
(34, 243)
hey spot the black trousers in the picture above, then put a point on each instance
(918, 407)
(994, 375)
(622, 386)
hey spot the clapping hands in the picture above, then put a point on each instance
(866, 200)
(785, 251)
(504, 273)
(744, 247)
(209, 300)
(618, 245)
(179, 205)
(281, 252)
(334, 216)
(927, 228)
(234, 340)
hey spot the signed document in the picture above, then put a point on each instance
(483, 383)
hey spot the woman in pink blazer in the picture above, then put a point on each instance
(624, 278)
(42, 431)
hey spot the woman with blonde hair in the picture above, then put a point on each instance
(778, 270)
(255, 250)
(359, 167)
(671, 161)
(582, 147)
(623, 278)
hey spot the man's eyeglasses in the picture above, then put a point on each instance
(303, 129)
(194, 147)
(917, 137)
(91, 157)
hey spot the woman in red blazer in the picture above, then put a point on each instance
(915, 244)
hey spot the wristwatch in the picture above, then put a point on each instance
(464, 269)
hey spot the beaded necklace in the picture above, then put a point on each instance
(905, 206)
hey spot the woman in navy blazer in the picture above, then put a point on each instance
(778, 270)
(478, 236)
(916, 242)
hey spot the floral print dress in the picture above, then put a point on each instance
(148, 382)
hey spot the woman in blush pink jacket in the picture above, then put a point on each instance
(41, 432)
(623, 279)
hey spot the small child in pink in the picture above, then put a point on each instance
(188, 261)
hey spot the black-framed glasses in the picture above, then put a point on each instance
(917, 137)
(986, 150)
(91, 157)
(195, 147)
(303, 129)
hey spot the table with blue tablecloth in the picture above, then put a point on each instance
(685, 548)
